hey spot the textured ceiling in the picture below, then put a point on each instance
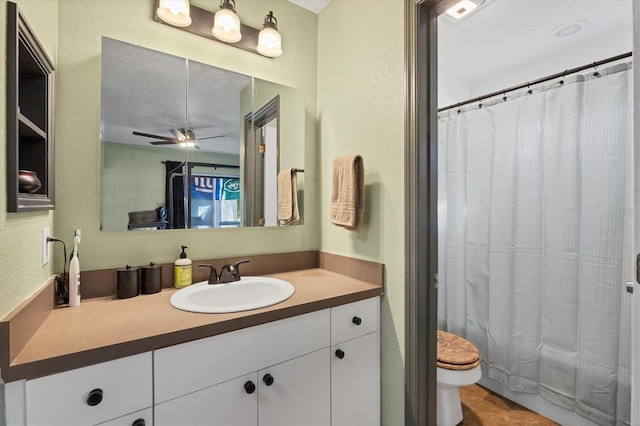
(146, 91)
(508, 34)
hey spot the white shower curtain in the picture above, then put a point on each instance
(535, 239)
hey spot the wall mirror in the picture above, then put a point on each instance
(190, 145)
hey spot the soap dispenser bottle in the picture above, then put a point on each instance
(182, 270)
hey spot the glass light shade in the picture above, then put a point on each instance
(269, 42)
(461, 9)
(226, 26)
(175, 12)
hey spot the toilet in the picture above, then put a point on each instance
(458, 365)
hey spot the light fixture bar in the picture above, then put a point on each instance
(202, 22)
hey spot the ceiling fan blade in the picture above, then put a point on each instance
(212, 137)
(182, 137)
(163, 142)
(149, 135)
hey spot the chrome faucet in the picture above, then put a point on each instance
(213, 274)
(230, 272)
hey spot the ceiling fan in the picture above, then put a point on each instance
(183, 137)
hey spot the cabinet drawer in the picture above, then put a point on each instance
(355, 319)
(114, 388)
(192, 366)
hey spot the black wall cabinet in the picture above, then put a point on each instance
(30, 125)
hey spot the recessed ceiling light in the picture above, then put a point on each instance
(569, 28)
(463, 8)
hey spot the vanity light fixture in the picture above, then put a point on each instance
(175, 12)
(463, 8)
(227, 27)
(269, 40)
(226, 24)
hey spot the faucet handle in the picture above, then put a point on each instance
(213, 274)
(241, 261)
(237, 267)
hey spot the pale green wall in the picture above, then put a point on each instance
(82, 24)
(361, 103)
(21, 270)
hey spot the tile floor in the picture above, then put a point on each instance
(481, 407)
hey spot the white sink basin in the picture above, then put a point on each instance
(244, 295)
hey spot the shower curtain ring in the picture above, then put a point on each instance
(595, 67)
(564, 74)
(504, 96)
(529, 91)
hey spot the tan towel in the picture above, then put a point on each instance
(288, 198)
(347, 192)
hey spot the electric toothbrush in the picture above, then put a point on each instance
(74, 272)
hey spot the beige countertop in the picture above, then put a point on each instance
(107, 328)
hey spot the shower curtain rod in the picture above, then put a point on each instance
(538, 81)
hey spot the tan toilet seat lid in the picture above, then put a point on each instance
(455, 352)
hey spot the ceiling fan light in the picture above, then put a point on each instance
(178, 135)
(226, 24)
(269, 40)
(175, 12)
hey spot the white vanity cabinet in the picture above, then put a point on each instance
(205, 382)
(295, 376)
(355, 363)
(318, 368)
(92, 395)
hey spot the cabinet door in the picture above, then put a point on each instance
(229, 403)
(139, 418)
(298, 393)
(355, 382)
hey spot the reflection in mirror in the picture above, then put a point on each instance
(175, 139)
(278, 132)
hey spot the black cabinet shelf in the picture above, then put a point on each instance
(30, 126)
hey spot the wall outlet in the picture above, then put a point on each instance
(46, 233)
